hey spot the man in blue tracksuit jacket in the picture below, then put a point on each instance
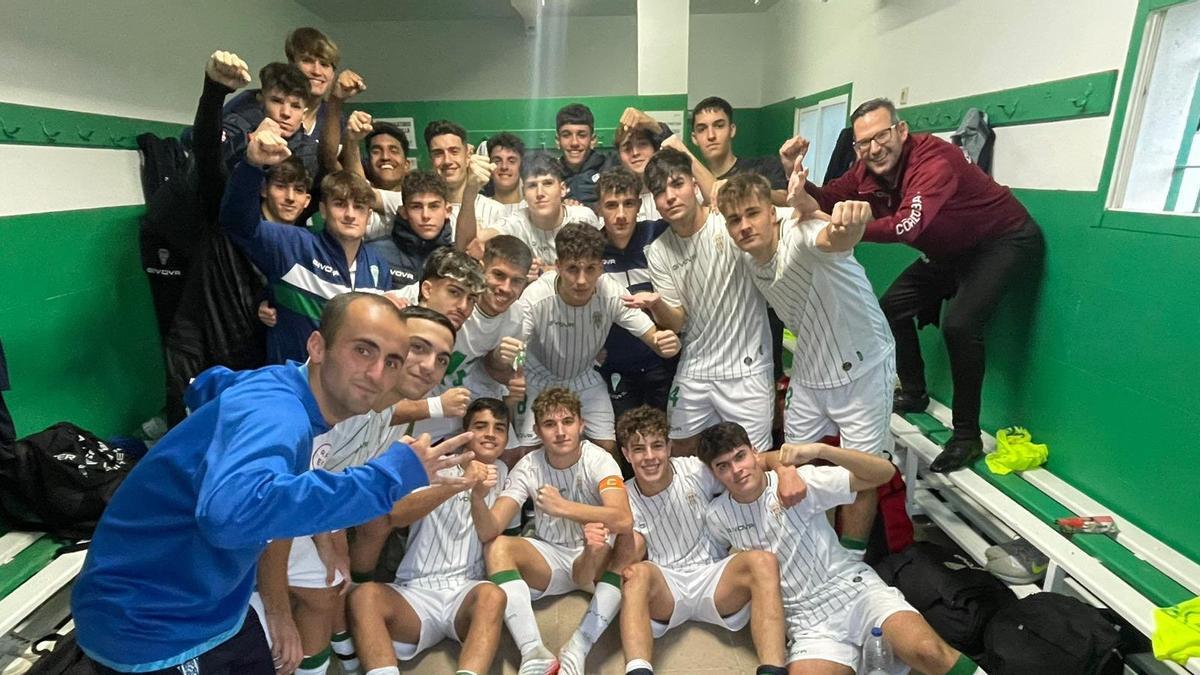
(303, 269)
(168, 576)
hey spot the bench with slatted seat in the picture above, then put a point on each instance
(1130, 572)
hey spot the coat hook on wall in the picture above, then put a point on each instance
(1082, 101)
(50, 135)
(1010, 109)
(8, 133)
(84, 135)
(116, 140)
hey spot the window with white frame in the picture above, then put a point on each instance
(1158, 166)
(820, 124)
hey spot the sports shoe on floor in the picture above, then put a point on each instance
(907, 402)
(538, 662)
(1016, 561)
(959, 452)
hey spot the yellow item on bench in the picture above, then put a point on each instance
(1177, 632)
(1015, 451)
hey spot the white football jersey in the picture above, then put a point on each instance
(827, 301)
(726, 334)
(582, 482)
(673, 521)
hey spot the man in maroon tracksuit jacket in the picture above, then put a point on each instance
(975, 239)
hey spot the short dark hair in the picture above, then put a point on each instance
(618, 181)
(509, 249)
(493, 405)
(741, 188)
(290, 171)
(506, 140)
(286, 78)
(441, 128)
(426, 314)
(579, 241)
(424, 182)
(720, 439)
(643, 420)
(447, 263)
(663, 165)
(388, 129)
(875, 104)
(333, 314)
(308, 41)
(346, 185)
(541, 164)
(713, 103)
(574, 113)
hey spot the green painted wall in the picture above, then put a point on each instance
(531, 119)
(76, 320)
(1098, 360)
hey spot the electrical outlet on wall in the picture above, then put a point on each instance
(904, 96)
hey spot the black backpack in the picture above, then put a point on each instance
(956, 596)
(59, 481)
(1051, 633)
(60, 655)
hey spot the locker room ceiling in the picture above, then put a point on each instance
(336, 11)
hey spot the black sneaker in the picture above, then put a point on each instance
(959, 452)
(907, 402)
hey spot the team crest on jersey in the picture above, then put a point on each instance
(320, 456)
(597, 320)
(375, 274)
(777, 510)
(691, 497)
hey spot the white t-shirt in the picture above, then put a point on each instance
(379, 225)
(827, 301)
(540, 241)
(561, 341)
(478, 336)
(582, 482)
(355, 440)
(648, 210)
(488, 212)
(726, 334)
(815, 572)
(444, 550)
(673, 521)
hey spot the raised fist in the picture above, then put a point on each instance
(228, 69)
(348, 85)
(792, 152)
(267, 146)
(455, 402)
(358, 125)
(666, 343)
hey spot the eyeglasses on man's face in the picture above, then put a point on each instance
(879, 138)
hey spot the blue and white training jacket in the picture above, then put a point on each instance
(303, 269)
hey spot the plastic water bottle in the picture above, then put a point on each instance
(877, 654)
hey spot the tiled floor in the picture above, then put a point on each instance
(691, 648)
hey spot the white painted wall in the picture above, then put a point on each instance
(662, 46)
(726, 57)
(943, 49)
(133, 58)
(416, 60)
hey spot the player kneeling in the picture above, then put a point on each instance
(684, 578)
(831, 601)
(439, 590)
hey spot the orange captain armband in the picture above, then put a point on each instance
(612, 482)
